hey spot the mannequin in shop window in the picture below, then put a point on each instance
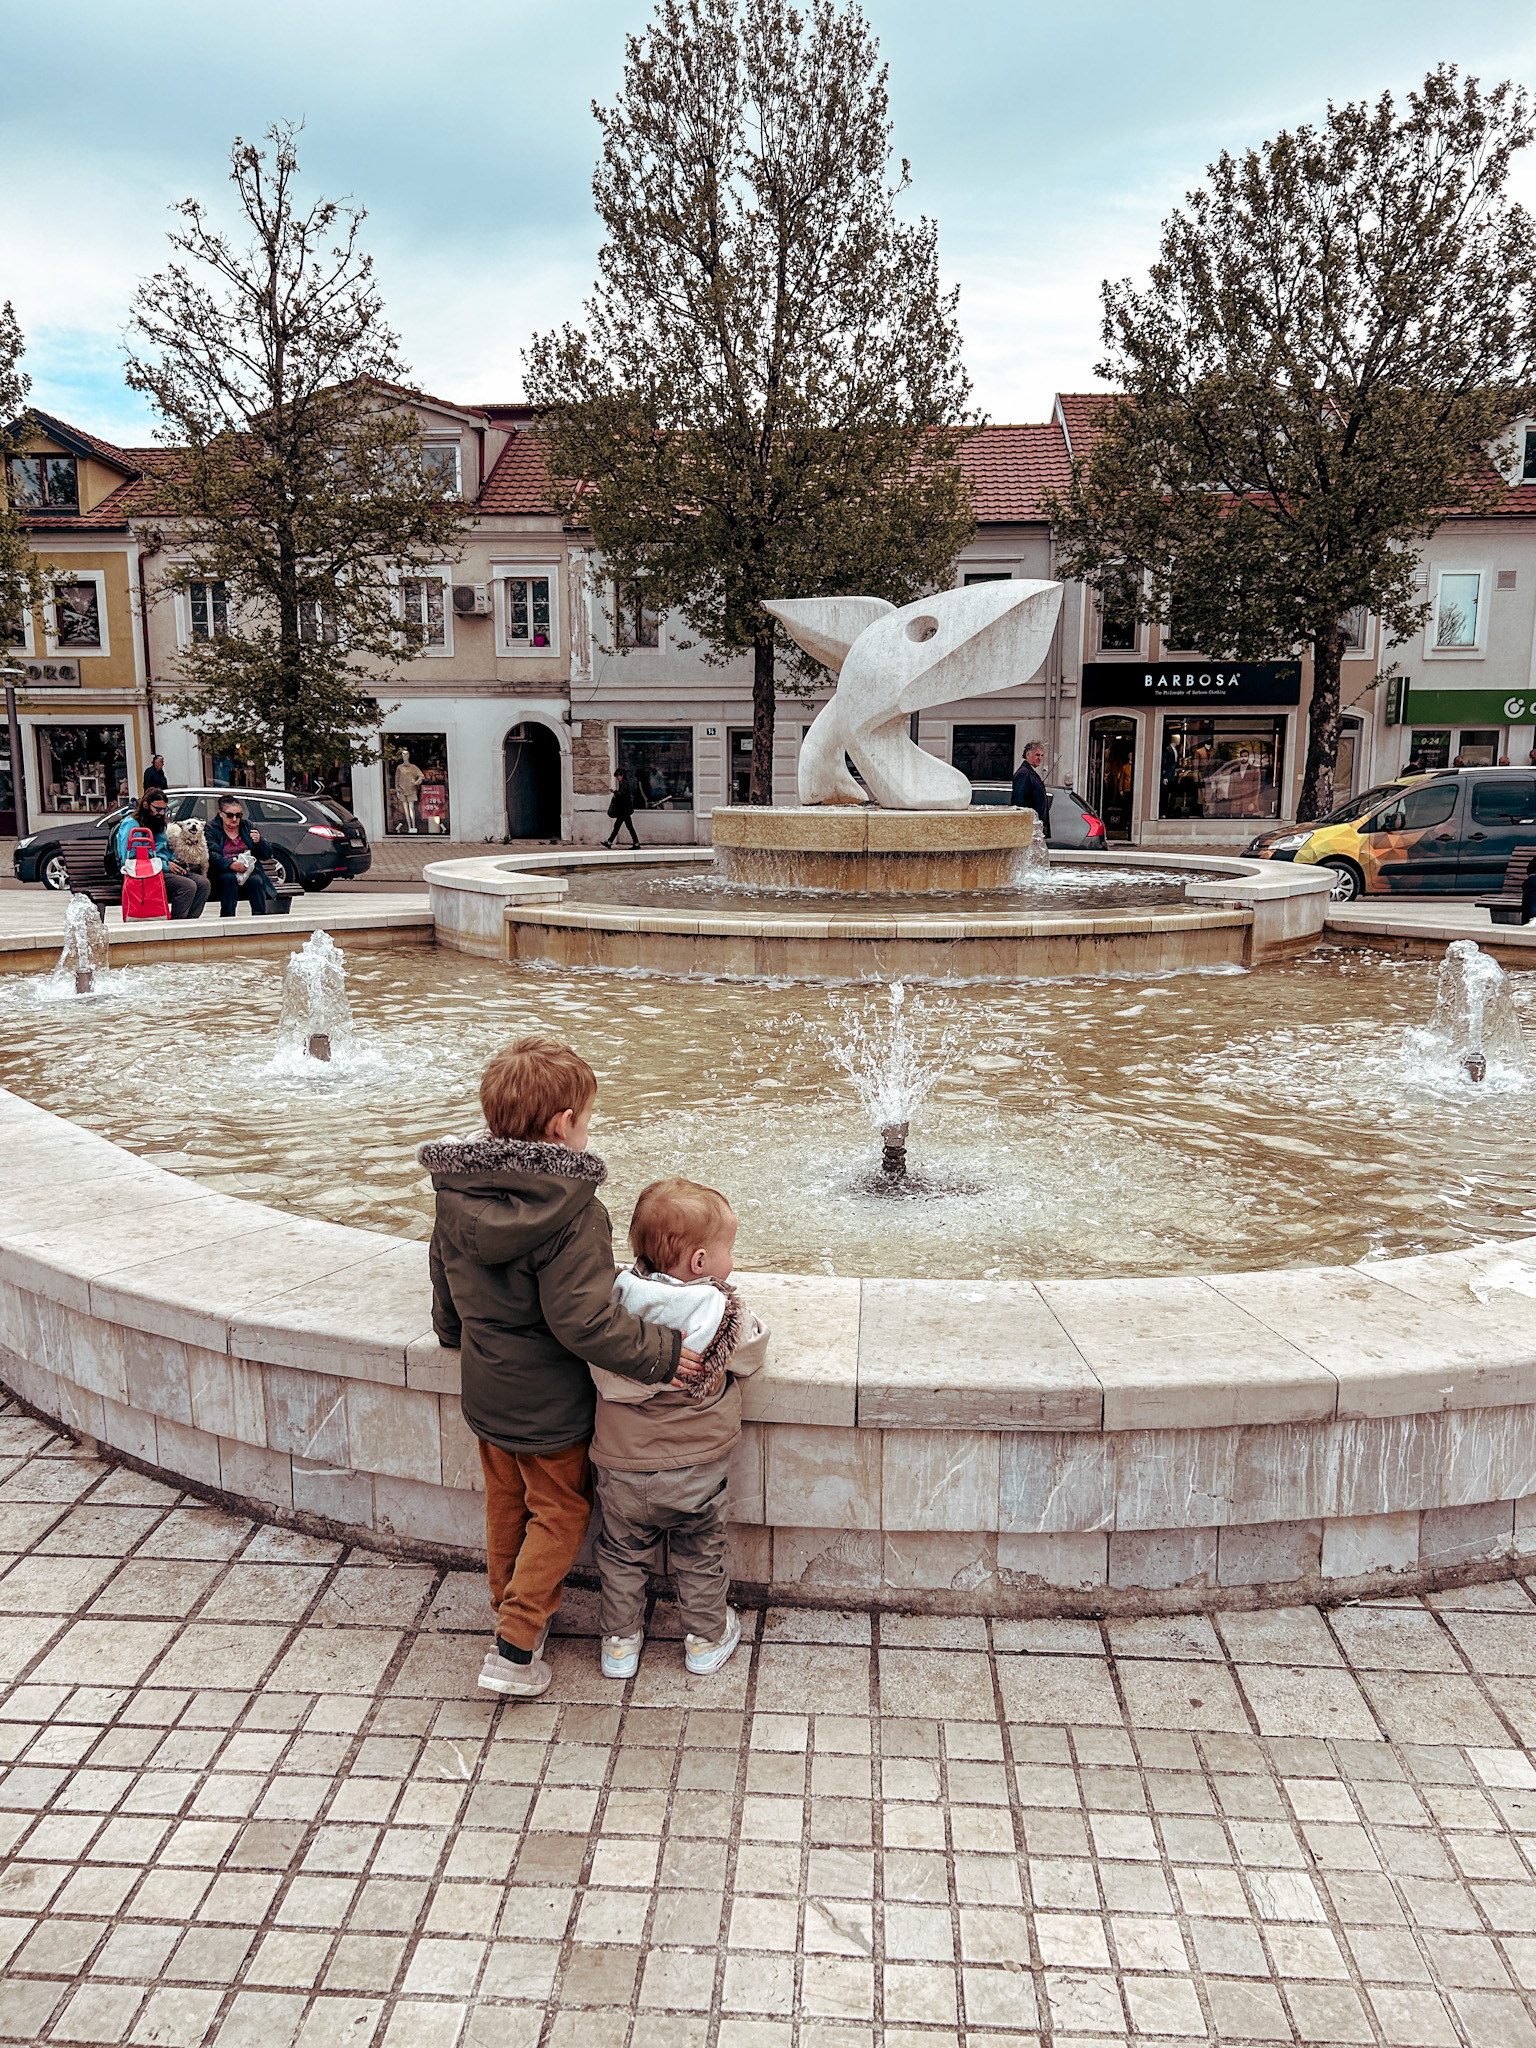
(408, 781)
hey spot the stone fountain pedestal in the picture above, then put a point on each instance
(861, 847)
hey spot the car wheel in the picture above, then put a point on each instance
(284, 865)
(52, 872)
(1348, 882)
(313, 888)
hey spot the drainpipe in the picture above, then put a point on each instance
(149, 679)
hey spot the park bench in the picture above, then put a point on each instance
(1512, 904)
(85, 864)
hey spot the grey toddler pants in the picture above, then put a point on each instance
(639, 1508)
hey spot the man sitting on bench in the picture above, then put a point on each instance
(186, 892)
(235, 854)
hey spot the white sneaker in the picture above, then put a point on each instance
(621, 1655)
(516, 1681)
(702, 1658)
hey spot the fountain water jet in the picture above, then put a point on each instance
(316, 1019)
(1474, 1016)
(894, 1074)
(85, 948)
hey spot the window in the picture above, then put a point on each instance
(45, 483)
(1118, 633)
(527, 611)
(1528, 472)
(659, 763)
(1221, 767)
(1417, 809)
(80, 767)
(989, 576)
(440, 460)
(1431, 748)
(984, 752)
(741, 765)
(209, 606)
(77, 616)
(266, 810)
(1456, 613)
(415, 768)
(1510, 801)
(634, 626)
(421, 600)
(1356, 623)
(317, 622)
(1477, 749)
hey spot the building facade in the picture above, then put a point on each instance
(83, 706)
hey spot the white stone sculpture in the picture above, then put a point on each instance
(890, 663)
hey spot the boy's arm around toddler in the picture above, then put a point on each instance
(576, 1296)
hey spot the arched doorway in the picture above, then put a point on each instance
(531, 771)
(1112, 773)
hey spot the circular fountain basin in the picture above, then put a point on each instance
(860, 847)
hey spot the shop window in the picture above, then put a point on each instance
(1456, 619)
(984, 752)
(528, 613)
(80, 767)
(234, 771)
(1477, 749)
(331, 784)
(1221, 767)
(209, 606)
(46, 483)
(1431, 748)
(416, 782)
(440, 460)
(421, 600)
(77, 616)
(634, 626)
(659, 763)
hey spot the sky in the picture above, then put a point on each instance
(1049, 142)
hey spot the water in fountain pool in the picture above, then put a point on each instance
(1153, 1125)
(1080, 888)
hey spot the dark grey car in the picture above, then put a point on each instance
(314, 841)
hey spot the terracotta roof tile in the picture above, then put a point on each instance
(110, 453)
(1078, 413)
(1011, 468)
(518, 481)
(110, 516)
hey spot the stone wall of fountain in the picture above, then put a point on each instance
(1070, 1446)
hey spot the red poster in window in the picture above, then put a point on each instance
(433, 800)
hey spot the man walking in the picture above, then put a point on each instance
(1029, 790)
(621, 808)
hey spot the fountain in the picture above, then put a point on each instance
(894, 1073)
(85, 949)
(1474, 1017)
(316, 1020)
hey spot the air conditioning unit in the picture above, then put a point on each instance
(472, 600)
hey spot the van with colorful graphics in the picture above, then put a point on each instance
(1447, 834)
(1284, 842)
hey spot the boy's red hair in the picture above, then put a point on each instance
(526, 1086)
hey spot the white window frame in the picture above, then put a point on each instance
(1366, 651)
(1137, 652)
(442, 573)
(456, 442)
(63, 573)
(617, 623)
(1479, 647)
(503, 573)
(184, 633)
(27, 644)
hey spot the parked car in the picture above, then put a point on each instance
(1284, 842)
(1074, 826)
(1448, 834)
(314, 841)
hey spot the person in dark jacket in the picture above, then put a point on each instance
(1029, 790)
(154, 774)
(229, 836)
(522, 1287)
(621, 808)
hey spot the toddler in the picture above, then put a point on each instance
(661, 1454)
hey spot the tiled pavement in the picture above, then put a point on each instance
(251, 1797)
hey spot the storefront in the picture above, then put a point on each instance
(659, 763)
(1467, 728)
(80, 767)
(415, 769)
(1192, 750)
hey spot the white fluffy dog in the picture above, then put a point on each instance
(188, 841)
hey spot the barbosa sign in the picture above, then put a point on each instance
(1184, 682)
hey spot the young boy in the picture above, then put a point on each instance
(661, 1454)
(522, 1285)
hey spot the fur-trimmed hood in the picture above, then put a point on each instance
(481, 1155)
(498, 1198)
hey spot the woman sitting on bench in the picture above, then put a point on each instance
(235, 854)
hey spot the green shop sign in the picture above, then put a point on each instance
(1470, 707)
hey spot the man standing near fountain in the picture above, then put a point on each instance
(1029, 790)
(522, 1287)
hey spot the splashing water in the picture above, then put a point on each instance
(83, 964)
(315, 1026)
(1475, 1026)
(894, 1069)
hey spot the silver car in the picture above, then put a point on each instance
(1074, 826)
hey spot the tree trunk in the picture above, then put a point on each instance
(762, 720)
(1323, 727)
